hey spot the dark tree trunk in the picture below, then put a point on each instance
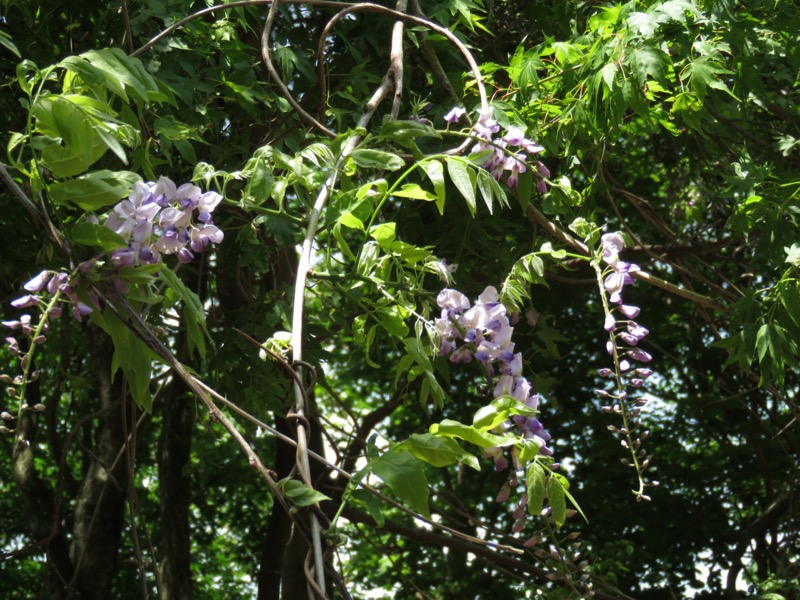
(37, 499)
(174, 453)
(279, 527)
(100, 503)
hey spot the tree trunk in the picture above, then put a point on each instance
(100, 503)
(174, 453)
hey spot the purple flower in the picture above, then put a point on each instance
(206, 205)
(455, 114)
(612, 244)
(629, 311)
(25, 302)
(640, 355)
(79, 309)
(516, 165)
(637, 330)
(37, 283)
(514, 136)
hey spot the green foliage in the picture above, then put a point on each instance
(675, 121)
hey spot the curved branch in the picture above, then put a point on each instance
(211, 9)
(377, 8)
(266, 55)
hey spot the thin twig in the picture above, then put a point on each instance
(538, 218)
(211, 9)
(369, 7)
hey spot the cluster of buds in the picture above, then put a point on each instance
(506, 152)
(624, 336)
(159, 218)
(27, 332)
(483, 332)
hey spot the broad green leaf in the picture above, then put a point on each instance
(464, 179)
(472, 435)
(384, 234)
(392, 320)
(132, 356)
(377, 159)
(348, 219)
(300, 494)
(402, 130)
(94, 190)
(435, 172)
(368, 500)
(412, 190)
(535, 485)
(404, 475)
(415, 349)
(530, 450)
(500, 409)
(5, 41)
(557, 499)
(98, 236)
(438, 451)
(194, 315)
(485, 186)
(62, 122)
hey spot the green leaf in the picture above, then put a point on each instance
(704, 73)
(489, 417)
(94, 190)
(412, 190)
(368, 500)
(403, 130)
(348, 219)
(557, 499)
(438, 451)
(435, 172)
(377, 159)
(132, 355)
(535, 484)
(98, 236)
(193, 314)
(299, 493)
(464, 179)
(392, 320)
(5, 41)
(485, 186)
(415, 349)
(404, 475)
(472, 435)
(384, 234)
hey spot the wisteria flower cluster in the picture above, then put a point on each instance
(483, 332)
(160, 218)
(506, 152)
(624, 336)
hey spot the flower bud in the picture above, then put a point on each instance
(37, 283)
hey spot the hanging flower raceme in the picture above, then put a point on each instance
(483, 332)
(509, 153)
(624, 336)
